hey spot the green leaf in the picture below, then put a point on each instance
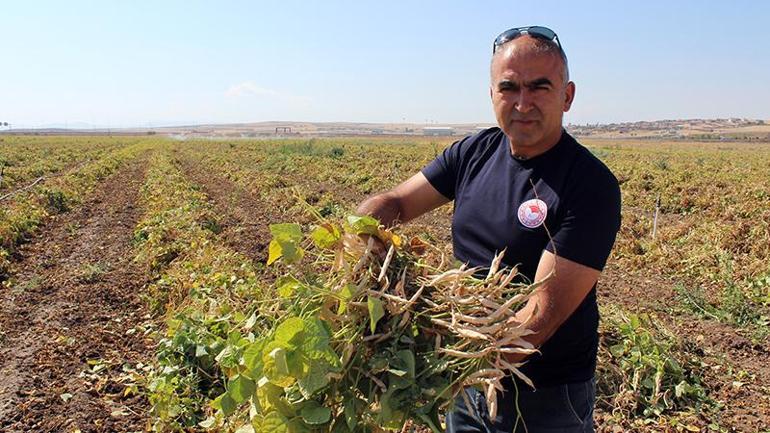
(286, 231)
(272, 422)
(617, 350)
(271, 398)
(363, 225)
(345, 294)
(287, 285)
(315, 378)
(275, 366)
(315, 414)
(274, 251)
(289, 250)
(680, 389)
(296, 425)
(285, 243)
(390, 415)
(325, 236)
(376, 312)
(252, 358)
(403, 368)
(225, 403)
(290, 332)
(316, 336)
(406, 358)
(429, 415)
(350, 411)
(278, 355)
(241, 388)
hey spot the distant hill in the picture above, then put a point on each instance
(689, 129)
(684, 129)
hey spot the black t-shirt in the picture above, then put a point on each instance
(495, 206)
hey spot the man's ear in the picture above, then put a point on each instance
(490, 91)
(569, 96)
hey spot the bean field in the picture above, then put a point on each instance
(136, 284)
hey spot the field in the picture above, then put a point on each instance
(134, 268)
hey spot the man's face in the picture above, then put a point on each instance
(529, 96)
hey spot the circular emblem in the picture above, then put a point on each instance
(532, 213)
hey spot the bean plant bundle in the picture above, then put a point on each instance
(375, 331)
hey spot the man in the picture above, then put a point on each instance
(529, 187)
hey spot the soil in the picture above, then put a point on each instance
(72, 318)
(244, 220)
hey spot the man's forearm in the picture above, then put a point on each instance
(383, 206)
(557, 298)
(541, 319)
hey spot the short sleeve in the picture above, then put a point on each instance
(442, 172)
(590, 224)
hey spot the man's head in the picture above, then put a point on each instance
(530, 92)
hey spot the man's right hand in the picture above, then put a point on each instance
(403, 203)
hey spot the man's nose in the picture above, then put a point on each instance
(523, 102)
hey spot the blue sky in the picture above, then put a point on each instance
(142, 63)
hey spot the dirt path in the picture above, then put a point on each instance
(69, 318)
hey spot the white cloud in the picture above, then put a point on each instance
(249, 88)
(273, 97)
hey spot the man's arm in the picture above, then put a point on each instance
(403, 203)
(556, 299)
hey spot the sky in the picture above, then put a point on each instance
(154, 63)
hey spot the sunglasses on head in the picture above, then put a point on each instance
(534, 31)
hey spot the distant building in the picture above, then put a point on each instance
(438, 130)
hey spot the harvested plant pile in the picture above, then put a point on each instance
(367, 340)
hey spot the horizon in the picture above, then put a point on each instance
(175, 64)
(75, 127)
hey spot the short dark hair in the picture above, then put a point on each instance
(542, 45)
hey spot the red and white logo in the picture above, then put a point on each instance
(532, 213)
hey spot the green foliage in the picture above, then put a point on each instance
(202, 289)
(734, 307)
(376, 312)
(344, 357)
(363, 225)
(55, 201)
(337, 152)
(285, 243)
(642, 370)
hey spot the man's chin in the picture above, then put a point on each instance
(520, 139)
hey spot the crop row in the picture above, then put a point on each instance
(22, 213)
(205, 292)
(206, 343)
(25, 158)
